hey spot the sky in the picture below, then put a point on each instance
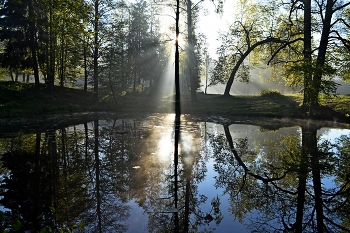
(211, 23)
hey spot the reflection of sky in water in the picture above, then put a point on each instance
(138, 220)
(256, 138)
(331, 135)
(206, 187)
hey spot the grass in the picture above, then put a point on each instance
(23, 100)
(266, 106)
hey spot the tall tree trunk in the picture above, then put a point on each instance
(307, 54)
(177, 63)
(321, 56)
(177, 115)
(85, 68)
(96, 47)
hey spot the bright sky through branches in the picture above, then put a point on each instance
(211, 23)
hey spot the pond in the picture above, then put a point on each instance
(120, 174)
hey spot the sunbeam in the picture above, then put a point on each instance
(166, 88)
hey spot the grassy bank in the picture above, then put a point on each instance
(23, 100)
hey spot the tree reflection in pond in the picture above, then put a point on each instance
(284, 183)
(107, 174)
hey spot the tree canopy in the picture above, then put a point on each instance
(122, 46)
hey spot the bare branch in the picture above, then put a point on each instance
(284, 45)
(341, 7)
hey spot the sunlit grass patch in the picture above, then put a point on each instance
(339, 103)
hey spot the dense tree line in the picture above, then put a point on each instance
(120, 45)
(113, 44)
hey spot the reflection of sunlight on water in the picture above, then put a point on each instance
(187, 147)
(165, 142)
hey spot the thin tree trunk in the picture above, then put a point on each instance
(16, 77)
(190, 52)
(33, 44)
(206, 73)
(62, 62)
(52, 56)
(97, 179)
(11, 75)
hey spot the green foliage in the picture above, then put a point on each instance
(222, 69)
(4, 73)
(54, 33)
(270, 93)
(46, 229)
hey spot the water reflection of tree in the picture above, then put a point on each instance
(39, 180)
(284, 184)
(182, 190)
(64, 180)
(108, 180)
(337, 201)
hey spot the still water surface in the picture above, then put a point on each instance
(119, 175)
